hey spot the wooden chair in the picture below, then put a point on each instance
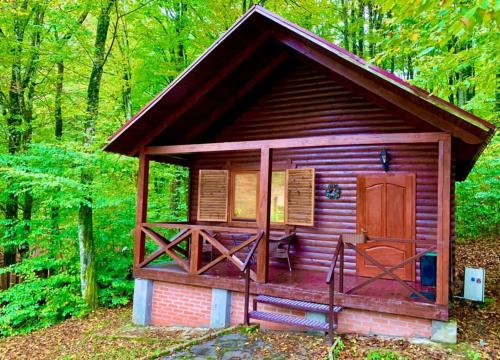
(279, 248)
(354, 238)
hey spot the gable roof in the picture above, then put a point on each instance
(256, 27)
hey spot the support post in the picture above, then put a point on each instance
(443, 225)
(142, 208)
(220, 311)
(263, 213)
(143, 302)
(196, 251)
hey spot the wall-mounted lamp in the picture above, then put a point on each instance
(384, 159)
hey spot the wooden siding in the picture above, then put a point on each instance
(305, 102)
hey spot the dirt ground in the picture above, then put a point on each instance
(108, 334)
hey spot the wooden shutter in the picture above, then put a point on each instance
(212, 195)
(299, 203)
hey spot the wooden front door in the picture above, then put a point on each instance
(386, 208)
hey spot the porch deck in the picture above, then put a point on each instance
(382, 295)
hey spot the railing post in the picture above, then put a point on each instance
(196, 251)
(331, 304)
(141, 209)
(341, 268)
(247, 295)
(247, 270)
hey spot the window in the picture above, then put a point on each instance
(245, 195)
(291, 198)
(244, 204)
(278, 197)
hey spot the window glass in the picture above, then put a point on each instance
(278, 197)
(245, 196)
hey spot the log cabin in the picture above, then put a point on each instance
(321, 192)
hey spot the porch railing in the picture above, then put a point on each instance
(247, 270)
(190, 257)
(384, 271)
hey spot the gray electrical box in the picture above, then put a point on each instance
(474, 284)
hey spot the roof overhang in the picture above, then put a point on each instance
(255, 29)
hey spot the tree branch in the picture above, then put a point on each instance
(137, 8)
(115, 31)
(39, 13)
(80, 21)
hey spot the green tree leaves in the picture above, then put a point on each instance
(448, 47)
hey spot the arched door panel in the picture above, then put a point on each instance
(386, 208)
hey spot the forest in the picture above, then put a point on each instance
(73, 71)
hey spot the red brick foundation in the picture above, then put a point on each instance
(180, 305)
(374, 323)
(185, 305)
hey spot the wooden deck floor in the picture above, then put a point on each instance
(382, 295)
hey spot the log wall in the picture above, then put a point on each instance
(305, 102)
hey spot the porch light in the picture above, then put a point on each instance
(384, 159)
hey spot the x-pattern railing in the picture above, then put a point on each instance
(168, 247)
(384, 271)
(192, 233)
(389, 271)
(226, 253)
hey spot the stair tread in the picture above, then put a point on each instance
(289, 320)
(296, 304)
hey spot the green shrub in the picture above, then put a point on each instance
(50, 287)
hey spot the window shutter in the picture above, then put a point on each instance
(212, 195)
(299, 208)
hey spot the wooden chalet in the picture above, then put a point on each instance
(318, 183)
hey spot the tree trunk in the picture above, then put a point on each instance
(361, 28)
(27, 215)
(497, 94)
(85, 215)
(58, 133)
(123, 45)
(345, 31)
(58, 120)
(180, 26)
(411, 71)
(10, 251)
(14, 128)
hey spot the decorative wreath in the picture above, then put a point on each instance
(333, 191)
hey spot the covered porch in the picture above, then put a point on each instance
(225, 268)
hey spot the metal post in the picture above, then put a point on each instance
(341, 269)
(247, 295)
(330, 308)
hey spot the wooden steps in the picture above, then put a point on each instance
(293, 320)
